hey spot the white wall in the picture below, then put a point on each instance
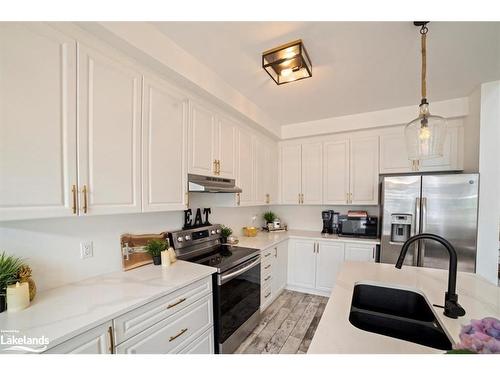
(309, 217)
(489, 186)
(52, 246)
(471, 132)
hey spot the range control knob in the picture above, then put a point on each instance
(212, 231)
(218, 230)
(180, 239)
(187, 237)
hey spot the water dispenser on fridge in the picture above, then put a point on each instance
(401, 227)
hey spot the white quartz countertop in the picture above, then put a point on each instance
(335, 334)
(63, 312)
(264, 240)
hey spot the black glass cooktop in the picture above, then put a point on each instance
(225, 257)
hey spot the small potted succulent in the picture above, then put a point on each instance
(9, 268)
(154, 248)
(225, 233)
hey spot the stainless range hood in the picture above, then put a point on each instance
(204, 184)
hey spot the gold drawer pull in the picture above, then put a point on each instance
(267, 295)
(73, 191)
(172, 338)
(85, 203)
(267, 278)
(111, 340)
(265, 256)
(267, 267)
(175, 304)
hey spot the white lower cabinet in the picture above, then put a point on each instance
(180, 322)
(313, 265)
(169, 334)
(274, 263)
(97, 340)
(360, 252)
(329, 259)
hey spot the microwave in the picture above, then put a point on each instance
(365, 227)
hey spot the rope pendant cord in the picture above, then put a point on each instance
(423, 45)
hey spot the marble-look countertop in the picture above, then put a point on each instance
(335, 334)
(66, 311)
(263, 240)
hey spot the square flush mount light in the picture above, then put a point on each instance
(287, 63)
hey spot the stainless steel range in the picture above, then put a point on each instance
(236, 284)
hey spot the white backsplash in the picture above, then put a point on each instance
(52, 246)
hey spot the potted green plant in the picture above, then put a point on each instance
(225, 233)
(269, 217)
(9, 267)
(154, 248)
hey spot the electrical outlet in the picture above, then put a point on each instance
(86, 249)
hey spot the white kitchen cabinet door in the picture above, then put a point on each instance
(312, 173)
(226, 140)
(109, 133)
(329, 260)
(261, 173)
(336, 172)
(201, 345)
(201, 140)
(363, 176)
(272, 171)
(37, 121)
(280, 266)
(291, 173)
(360, 252)
(393, 153)
(246, 168)
(163, 147)
(302, 264)
(94, 341)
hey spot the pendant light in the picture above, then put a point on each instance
(425, 135)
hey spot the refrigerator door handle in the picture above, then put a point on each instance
(421, 254)
(416, 246)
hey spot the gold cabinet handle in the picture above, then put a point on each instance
(111, 340)
(268, 198)
(302, 198)
(350, 197)
(218, 167)
(175, 304)
(267, 295)
(238, 199)
(267, 267)
(73, 191)
(267, 278)
(299, 198)
(214, 166)
(187, 199)
(172, 338)
(85, 202)
(275, 252)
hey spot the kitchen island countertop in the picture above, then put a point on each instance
(335, 334)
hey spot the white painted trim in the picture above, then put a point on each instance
(308, 290)
(363, 121)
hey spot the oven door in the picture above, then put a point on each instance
(238, 297)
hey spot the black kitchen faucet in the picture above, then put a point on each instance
(451, 307)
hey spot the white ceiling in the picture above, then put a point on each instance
(357, 66)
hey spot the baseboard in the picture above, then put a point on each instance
(308, 290)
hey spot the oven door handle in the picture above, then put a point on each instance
(226, 277)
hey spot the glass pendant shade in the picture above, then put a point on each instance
(425, 136)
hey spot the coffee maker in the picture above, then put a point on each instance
(330, 222)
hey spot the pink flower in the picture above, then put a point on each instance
(481, 336)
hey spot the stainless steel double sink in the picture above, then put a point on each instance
(397, 313)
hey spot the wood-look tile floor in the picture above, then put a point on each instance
(287, 325)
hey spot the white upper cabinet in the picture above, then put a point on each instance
(312, 173)
(266, 172)
(394, 156)
(226, 140)
(246, 168)
(336, 172)
(37, 122)
(291, 180)
(164, 131)
(201, 140)
(109, 133)
(363, 174)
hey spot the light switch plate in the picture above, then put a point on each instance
(86, 249)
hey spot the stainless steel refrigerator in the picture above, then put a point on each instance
(442, 204)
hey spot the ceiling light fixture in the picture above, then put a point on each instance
(425, 135)
(287, 63)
